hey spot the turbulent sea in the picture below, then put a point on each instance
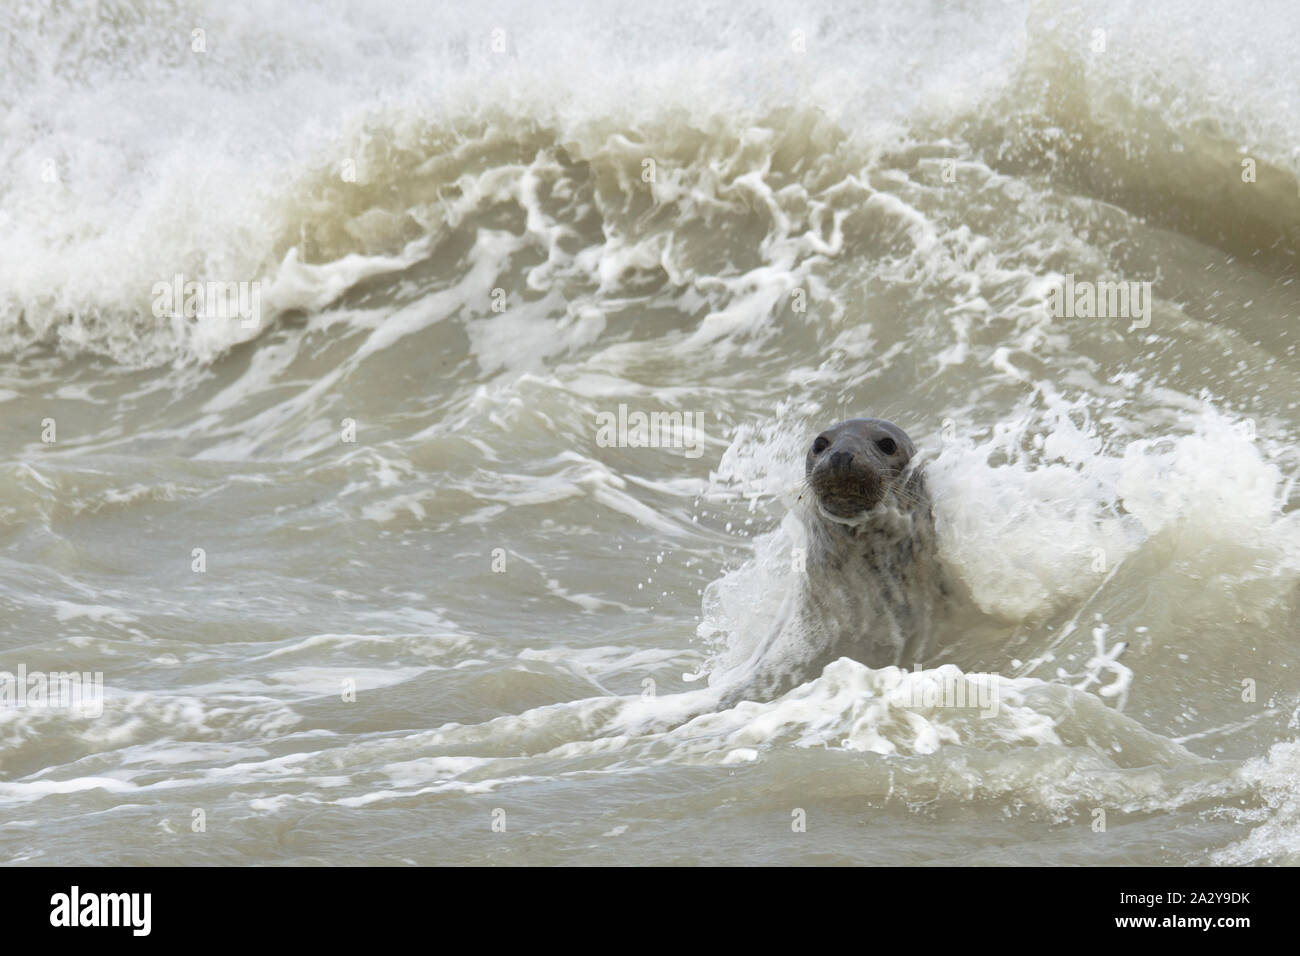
(365, 587)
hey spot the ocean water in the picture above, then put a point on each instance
(364, 584)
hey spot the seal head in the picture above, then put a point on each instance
(855, 466)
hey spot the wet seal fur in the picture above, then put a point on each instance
(873, 579)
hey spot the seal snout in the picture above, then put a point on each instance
(847, 485)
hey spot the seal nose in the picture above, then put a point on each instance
(841, 460)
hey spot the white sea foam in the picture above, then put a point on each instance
(226, 182)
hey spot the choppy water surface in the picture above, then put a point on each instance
(475, 231)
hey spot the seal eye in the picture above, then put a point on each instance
(820, 445)
(887, 446)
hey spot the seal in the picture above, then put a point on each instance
(873, 580)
